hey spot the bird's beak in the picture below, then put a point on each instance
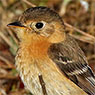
(16, 24)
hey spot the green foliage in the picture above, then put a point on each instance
(14, 72)
(13, 51)
(43, 3)
(13, 88)
(39, 2)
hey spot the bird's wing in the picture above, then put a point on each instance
(70, 59)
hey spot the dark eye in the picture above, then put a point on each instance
(39, 25)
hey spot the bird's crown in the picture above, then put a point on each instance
(40, 13)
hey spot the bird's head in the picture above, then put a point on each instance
(39, 23)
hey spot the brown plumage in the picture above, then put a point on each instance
(46, 51)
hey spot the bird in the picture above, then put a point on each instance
(49, 60)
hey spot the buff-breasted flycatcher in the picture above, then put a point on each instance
(49, 61)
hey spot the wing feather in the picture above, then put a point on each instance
(68, 56)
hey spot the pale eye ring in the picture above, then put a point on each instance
(38, 25)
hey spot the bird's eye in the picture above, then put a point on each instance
(39, 25)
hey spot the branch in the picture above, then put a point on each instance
(90, 37)
(7, 62)
(42, 85)
(10, 77)
(29, 3)
(7, 41)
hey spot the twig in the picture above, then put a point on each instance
(84, 39)
(78, 30)
(18, 92)
(6, 67)
(7, 41)
(6, 61)
(29, 3)
(82, 32)
(62, 8)
(42, 85)
(2, 92)
(91, 57)
(12, 35)
(8, 77)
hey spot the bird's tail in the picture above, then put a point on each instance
(87, 84)
(91, 80)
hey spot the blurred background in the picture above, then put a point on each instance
(79, 19)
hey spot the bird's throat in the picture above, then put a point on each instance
(37, 48)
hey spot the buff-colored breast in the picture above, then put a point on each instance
(32, 60)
